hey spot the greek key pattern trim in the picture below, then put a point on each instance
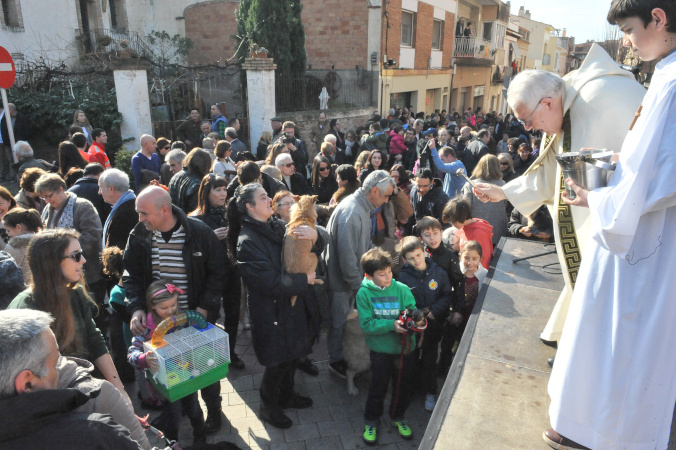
(567, 236)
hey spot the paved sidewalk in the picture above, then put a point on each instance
(334, 422)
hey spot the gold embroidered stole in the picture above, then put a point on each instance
(567, 236)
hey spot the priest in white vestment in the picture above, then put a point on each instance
(614, 381)
(591, 107)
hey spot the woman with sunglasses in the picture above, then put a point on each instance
(56, 261)
(506, 167)
(163, 147)
(293, 181)
(211, 211)
(324, 183)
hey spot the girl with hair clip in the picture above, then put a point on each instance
(162, 303)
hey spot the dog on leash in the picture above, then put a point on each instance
(298, 256)
(357, 354)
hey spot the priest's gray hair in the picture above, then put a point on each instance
(380, 179)
(21, 346)
(530, 86)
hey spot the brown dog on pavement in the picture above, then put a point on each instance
(357, 354)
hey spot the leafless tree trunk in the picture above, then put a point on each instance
(611, 41)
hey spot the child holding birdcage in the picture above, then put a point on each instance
(162, 303)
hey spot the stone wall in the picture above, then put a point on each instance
(349, 120)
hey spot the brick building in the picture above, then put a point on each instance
(417, 48)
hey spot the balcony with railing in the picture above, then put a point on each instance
(474, 51)
(111, 41)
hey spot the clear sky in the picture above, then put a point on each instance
(584, 19)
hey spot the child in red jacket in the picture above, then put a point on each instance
(397, 144)
(458, 213)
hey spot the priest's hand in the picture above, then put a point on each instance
(580, 193)
(486, 192)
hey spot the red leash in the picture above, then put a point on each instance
(401, 366)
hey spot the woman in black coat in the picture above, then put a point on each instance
(211, 211)
(281, 331)
(324, 183)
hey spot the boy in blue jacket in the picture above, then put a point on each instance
(432, 292)
(379, 302)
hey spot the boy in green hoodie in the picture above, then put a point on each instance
(379, 302)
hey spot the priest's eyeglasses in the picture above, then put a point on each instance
(527, 123)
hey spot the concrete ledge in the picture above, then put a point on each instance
(495, 395)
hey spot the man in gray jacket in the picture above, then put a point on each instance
(350, 229)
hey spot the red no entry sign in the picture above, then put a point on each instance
(7, 69)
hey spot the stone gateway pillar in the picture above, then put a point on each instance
(260, 80)
(133, 103)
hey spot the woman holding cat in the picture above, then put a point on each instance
(281, 331)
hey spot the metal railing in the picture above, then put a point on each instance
(104, 40)
(473, 47)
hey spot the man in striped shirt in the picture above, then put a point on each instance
(184, 251)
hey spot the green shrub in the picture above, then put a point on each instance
(50, 107)
(123, 162)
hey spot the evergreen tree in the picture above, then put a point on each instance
(277, 26)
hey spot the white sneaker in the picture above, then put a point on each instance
(430, 403)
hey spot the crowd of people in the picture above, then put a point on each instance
(202, 226)
(401, 236)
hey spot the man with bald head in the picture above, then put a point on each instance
(145, 164)
(168, 245)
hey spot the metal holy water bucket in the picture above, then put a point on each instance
(589, 169)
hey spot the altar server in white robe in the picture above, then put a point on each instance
(589, 107)
(614, 381)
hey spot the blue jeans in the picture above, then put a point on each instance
(383, 370)
(339, 307)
